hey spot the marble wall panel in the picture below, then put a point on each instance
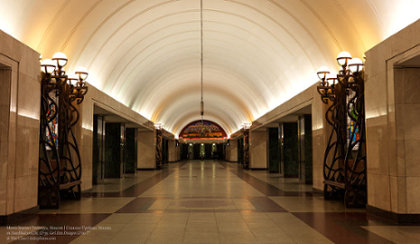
(146, 150)
(379, 192)
(258, 149)
(413, 193)
(392, 115)
(19, 146)
(5, 83)
(232, 151)
(174, 151)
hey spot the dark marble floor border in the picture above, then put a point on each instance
(135, 190)
(15, 217)
(408, 219)
(200, 211)
(139, 188)
(342, 227)
(199, 204)
(264, 187)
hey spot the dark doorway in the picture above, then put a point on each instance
(274, 150)
(165, 151)
(289, 149)
(184, 151)
(208, 151)
(130, 161)
(241, 150)
(220, 151)
(196, 149)
(305, 148)
(190, 151)
(98, 152)
(114, 149)
(202, 151)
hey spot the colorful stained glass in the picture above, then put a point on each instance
(202, 129)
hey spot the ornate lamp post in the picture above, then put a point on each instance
(345, 155)
(59, 157)
(246, 127)
(158, 151)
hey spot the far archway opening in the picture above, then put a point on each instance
(203, 140)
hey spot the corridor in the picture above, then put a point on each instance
(210, 202)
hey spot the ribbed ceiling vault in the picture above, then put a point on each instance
(257, 53)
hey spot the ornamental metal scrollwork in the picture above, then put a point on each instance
(246, 149)
(245, 129)
(344, 166)
(158, 147)
(60, 166)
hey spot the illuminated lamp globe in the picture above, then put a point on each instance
(343, 58)
(48, 66)
(158, 125)
(355, 65)
(246, 125)
(60, 58)
(331, 79)
(81, 72)
(73, 79)
(323, 72)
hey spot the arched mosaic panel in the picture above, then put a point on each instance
(202, 129)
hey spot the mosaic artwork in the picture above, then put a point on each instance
(52, 137)
(202, 129)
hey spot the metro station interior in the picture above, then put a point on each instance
(209, 121)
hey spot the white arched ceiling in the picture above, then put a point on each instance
(257, 53)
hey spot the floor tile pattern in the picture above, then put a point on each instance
(211, 202)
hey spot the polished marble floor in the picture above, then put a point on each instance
(210, 202)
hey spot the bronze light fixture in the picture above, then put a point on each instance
(59, 158)
(344, 164)
(245, 131)
(158, 146)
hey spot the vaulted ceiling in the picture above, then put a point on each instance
(257, 53)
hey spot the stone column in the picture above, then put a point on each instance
(146, 149)
(173, 151)
(232, 151)
(258, 149)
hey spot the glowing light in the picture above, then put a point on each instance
(87, 126)
(398, 15)
(28, 114)
(81, 72)
(323, 72)
(60, 58)
(343, 58)
(158, 125)
(372, 114)
(355, 65)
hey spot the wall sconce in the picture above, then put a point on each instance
(246, 125)
(158, 125)
(59, 157)
(345, 154)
